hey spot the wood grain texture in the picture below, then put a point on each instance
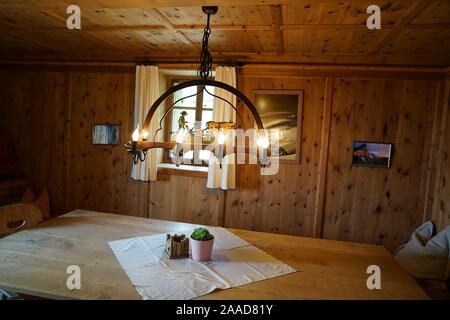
(370, 204)
(441, 209)
(413, 32)
(185, 199)
(34, 262)
(284, 202)
(49, 114)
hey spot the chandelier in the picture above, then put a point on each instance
(139, 145)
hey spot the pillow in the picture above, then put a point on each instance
(42, 203)
(28, 196)
(424, 256)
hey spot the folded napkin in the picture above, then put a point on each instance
(234, 262)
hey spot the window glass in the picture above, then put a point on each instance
(207, 115)
(208, 100)
(188, 102)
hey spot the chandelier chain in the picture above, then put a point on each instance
(204, 70)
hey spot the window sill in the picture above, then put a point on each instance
(165, 170)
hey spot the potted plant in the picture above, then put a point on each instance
(201, 244)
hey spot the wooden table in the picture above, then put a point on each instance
(34, 262)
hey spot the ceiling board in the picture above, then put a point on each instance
(117, 17)
(314, 31)
(26, 18)
(437, 12)
(330, 41)
(223, 40)
(12, 45)
(409, 41)
(340, 12)
(231, 15)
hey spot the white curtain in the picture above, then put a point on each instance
(225, 177)
(146, 92)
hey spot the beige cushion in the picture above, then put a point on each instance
(426, 256)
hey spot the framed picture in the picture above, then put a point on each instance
(105, 134)
(372, 154)
(282, 110)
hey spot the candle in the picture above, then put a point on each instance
(220, 143)
(135, 135)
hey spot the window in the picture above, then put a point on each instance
(189, 113)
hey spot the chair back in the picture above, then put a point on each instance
(16, 217)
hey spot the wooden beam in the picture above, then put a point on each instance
(275, 11)
(116, 4)
(250, 66)
(227, 27)
(169, 26)
(416, 8)
(251, 57)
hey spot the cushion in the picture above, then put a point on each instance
(426, 256)
(28, 196)
(43, 203)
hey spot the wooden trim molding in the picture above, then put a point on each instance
(325, 142)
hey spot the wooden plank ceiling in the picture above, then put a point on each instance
(414, 32)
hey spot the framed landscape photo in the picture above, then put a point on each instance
(105, 134)
(282, 110)
(372, 154)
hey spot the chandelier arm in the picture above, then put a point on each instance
(229, 103)
(213, 83)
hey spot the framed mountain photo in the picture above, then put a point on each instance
(372, 154)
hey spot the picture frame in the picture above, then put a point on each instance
(105, 134)
(282, 109)
(372, 154)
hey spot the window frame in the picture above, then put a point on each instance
(168, 121)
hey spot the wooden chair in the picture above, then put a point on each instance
(14, 218)
(17, 217)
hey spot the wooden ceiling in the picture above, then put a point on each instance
(414, 32)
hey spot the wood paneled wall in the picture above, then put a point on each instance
(50, 113)
(50, 117)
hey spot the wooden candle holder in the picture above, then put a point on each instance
(177, 246)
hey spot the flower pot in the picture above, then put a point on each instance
(201, 250)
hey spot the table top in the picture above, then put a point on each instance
(35, 261)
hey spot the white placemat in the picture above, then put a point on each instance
(234, 262)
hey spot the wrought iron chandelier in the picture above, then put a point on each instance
(139, 145)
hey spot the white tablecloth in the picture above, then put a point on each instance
(234, 263)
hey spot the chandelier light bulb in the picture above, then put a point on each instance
(263, 142)
(221, 138)
(179, 138)
(135, 136)
(144, 134)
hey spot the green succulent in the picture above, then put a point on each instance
(201, 234)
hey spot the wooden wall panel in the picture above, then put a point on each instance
(185, 199)
(32, 113)
(441, 210)
(99, 175)
(372, 204)
(285, 202)
(50, 114)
